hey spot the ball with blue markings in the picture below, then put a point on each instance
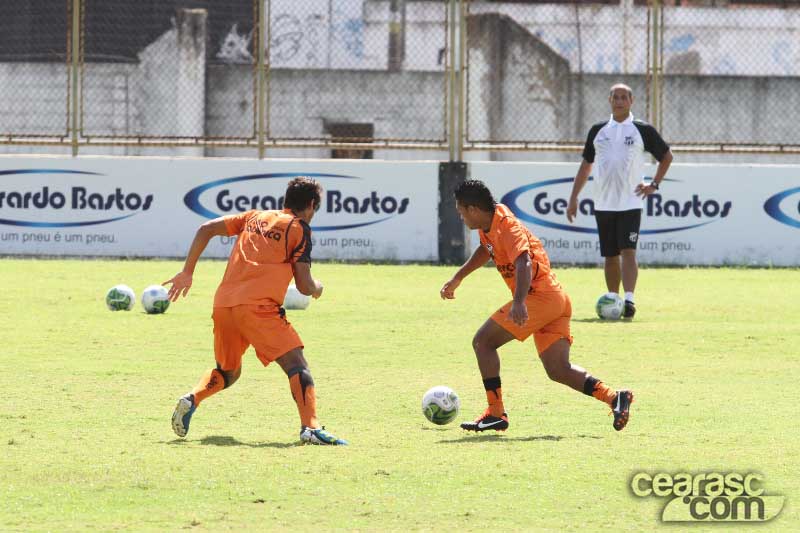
(155, 299)
(120, 298)
(440, 405)
(610, 306)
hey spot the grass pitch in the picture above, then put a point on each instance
(87, 396)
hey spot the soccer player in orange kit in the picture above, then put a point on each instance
(540, 307)
(272, 247)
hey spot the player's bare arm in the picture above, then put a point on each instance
(580, 180)
(478, 258)
(644, 189)
(304, 281)
(523, 272)
(182, 281)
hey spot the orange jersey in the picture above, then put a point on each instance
(506, 240)
(260, 265)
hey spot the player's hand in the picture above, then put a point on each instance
(181, 283)
(643, 189)
(572, 210)
(318, 292)
(518, 313)
(448, 291)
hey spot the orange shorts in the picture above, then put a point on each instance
(263, 326)
(548, 319)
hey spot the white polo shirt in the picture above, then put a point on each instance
(617, 151)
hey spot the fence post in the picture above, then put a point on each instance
(455, 105)
(655, 69)
(452, 234)
(261, 69)
(75, 50)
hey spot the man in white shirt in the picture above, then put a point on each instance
(618, 148)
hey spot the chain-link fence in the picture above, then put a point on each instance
(358, 71)
(358, 75)
(34, 68)
(539, 73)
(731, 75)
(167, 71)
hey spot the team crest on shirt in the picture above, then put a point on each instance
(632, 236)
(628, 140)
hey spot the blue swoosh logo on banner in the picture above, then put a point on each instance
(773, 208)
(192, 198)
(31, 224)
(510, 200)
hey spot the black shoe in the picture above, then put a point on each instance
(629, 310)
(486, 422)
(621, 408)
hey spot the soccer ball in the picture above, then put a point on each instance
(294, 299)
(610, 306)
(155, 299)
(120, 298)
(440, 405)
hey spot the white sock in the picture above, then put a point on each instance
(629, 297)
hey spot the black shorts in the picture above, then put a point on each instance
(618, 230)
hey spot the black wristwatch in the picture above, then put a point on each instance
(654, 185)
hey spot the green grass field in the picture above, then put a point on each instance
(87, 396)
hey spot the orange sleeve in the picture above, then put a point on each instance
(298, 242)
(235, 223)
(514, 240)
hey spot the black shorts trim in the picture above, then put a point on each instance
(618, 230)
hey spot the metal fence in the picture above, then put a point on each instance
(356, 75)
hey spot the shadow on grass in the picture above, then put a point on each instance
(223, 440)
(502, 438)
(602, 321)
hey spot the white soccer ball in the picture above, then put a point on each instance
(155, 300)
(294, 299)
(120, 298)
(440, 405)
(610, 306)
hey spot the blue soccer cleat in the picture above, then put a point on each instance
(183, 415)
(320, 436)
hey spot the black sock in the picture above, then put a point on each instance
(588, 385)
(491, 384)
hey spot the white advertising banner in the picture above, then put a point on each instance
(117, 206)
(702, 214)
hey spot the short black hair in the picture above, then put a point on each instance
(475, 192)
(301, 192)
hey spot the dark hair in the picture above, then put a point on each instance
(475, 192)
(302, 192)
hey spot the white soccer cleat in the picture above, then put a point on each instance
(320, 436)
(182, 415)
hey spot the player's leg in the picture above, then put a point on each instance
(609, 249)
(301, 384)
(613, 273)
(627, 239)
(229, 345)
(553, 342)
(489, 337)
(556, 362)
(274, 339)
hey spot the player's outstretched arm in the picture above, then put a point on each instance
(479, 258)
(182, 281)
(580, 180)
(304, 281)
